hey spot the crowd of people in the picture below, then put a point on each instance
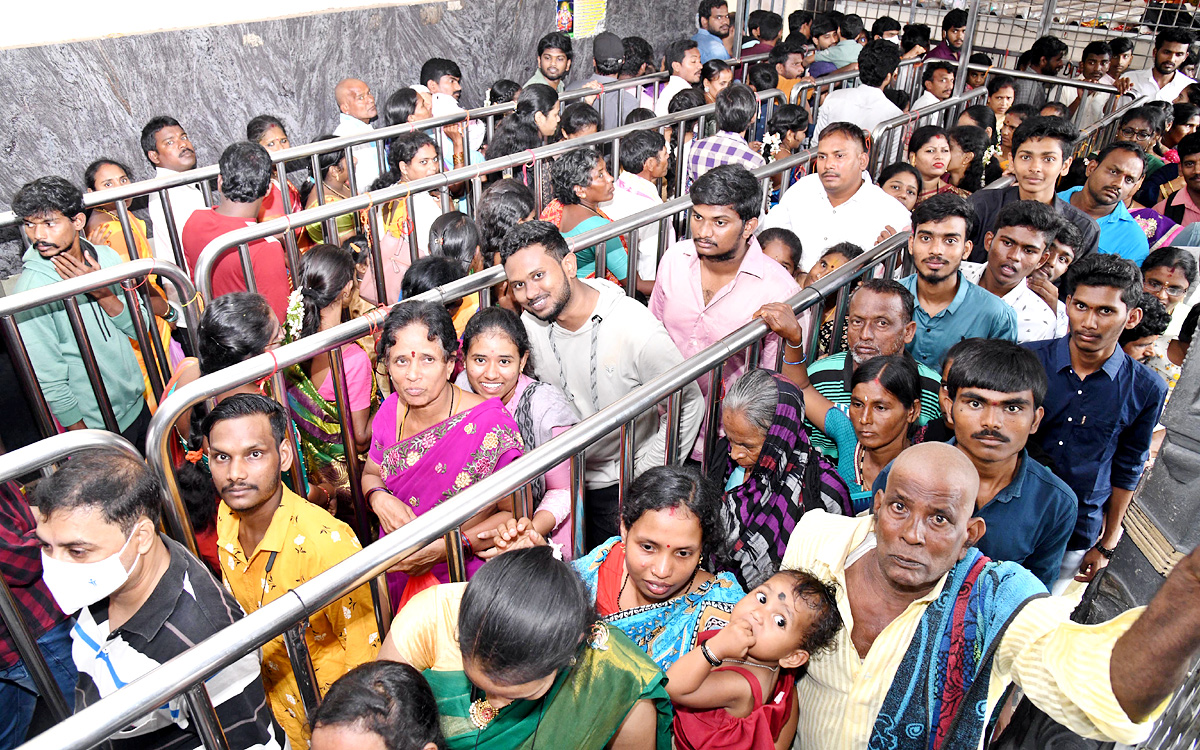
(862, 553)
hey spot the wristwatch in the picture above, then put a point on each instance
(1108, 553)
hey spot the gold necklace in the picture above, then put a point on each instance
(330, 189)
(482, 713)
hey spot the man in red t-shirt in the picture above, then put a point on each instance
(244, 182)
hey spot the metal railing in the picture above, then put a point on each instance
(190, 668)
(137, 303)
(890, 137)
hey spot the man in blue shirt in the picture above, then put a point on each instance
(1111, 179)
(949, 308)
(1101, 407)
(713, 17)
(993, 399)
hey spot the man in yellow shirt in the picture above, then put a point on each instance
(291, 541)
(934, 633)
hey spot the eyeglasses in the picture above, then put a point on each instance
(1138, 135)
(1154, 287)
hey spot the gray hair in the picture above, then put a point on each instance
(755, 395)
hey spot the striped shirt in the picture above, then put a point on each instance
(716, 150)
(1062, 666)
(187, 606)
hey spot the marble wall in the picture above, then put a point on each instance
(68, 104)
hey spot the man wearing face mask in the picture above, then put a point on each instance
(142, 599)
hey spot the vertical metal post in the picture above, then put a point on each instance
(29, 382)
(839, 317)
(754, 356)
(247, 267)
(524, 505)
(578, 505)
(601, 253)
(302, 667)
(964, 54)
(712, 417)
(674, 414)
(31, 654)
(631, 275)
(414, 243)
(296, 473)
(455, 557)
(145, 340)
(173, 231)
(626, 461)
(1047, 20)
(200, 709)
(90, 365)
(127, 230)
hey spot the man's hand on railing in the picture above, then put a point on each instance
(591, 100)
(391, 511)
(888, 231)
(1123, 85)
(515, 533)
(916, 51)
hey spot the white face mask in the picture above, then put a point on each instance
(76, 585)
(893, 39)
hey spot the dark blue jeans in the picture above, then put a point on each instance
(19, 694)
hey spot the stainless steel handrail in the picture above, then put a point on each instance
(97, 722)
(884, 151)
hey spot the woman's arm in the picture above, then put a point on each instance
(391, 511)
(639, 730)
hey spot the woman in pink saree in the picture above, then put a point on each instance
(429, 440)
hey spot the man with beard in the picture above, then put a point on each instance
(1017, 246)
(271, 540)
(711, 285)
(835, 203)
(1111, 179)
(713, 18)
(169, 148)
(51, 211)
(993, 401)
(1163, 82)
(949, 308)
(554, 56)
(597, 345)
(1183, 206)
(1101, 407)
(357, 109)
(954, 33)
(443, 79)
(682, 59)
(1045, 57)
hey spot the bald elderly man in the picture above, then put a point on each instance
(935, 632)
(357, 107)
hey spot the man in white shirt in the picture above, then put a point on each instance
(169, 148)
(1017, 246)
(357, 107)
(836, 203)
(938, 80)
(443, 79)
(1163, 82)
(644, 161)
(1093, 69)
(865, 105)
(683, 60)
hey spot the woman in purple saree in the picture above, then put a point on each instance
(430, 440)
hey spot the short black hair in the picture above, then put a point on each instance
(712, 70)
(822, 24)
(638, 147)
(385, 698)
(430, 272)
(667, 487)
(1172, 257)
(847, 250)
(1188, 145)
(850, 26)
(1173, 35)
(437, 68)
(848, 129)
(762, 77)
(979, 58)
(245, 172)
(925, 134)
(942, 207)
(983, 115)
(1069, 235)
(1128, 146)
(1030, 214)
(116, 483)
(1047, 47)
(707, 6)
(556, 40)
(571, 170)
(754, 19)
(89, 174)
(955, 19)
(1120, 45)
(893, 288)
(524, 616)
(789, 240)
(578, 115)
(896, 168)
(249, 405)
(638, 52)
(1098, 48)
(435, 318)
(933, 66)
(798, 18)
(640, 114)
(899, 97)
(150, 132)
(729, 185)
(1102, 269)
(877, 60)
(780, 53)
(1054, 128)
(821, 597)
(769, 25)
(788, 117)
(47, 195)
(736, 107)
(999, 81)
(676, 51)
(884, 24)
(529, 233)
(1059, 109)
(914, 35)
(996, 365)
(1155, 321)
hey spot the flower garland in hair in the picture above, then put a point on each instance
(988, 155)
(293, 324)
(487, 98)
(771, 144)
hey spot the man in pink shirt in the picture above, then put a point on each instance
(713, 284)
(243, 184)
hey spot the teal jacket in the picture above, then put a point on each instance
(47, 334)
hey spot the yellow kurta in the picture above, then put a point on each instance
(425, 632)
(308, 541)
(1061, 665)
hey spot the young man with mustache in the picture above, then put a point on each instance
(1111, 179)
(949, 307)
(1017, 246)
(993, 401)
(169, 148)
(1163, 81)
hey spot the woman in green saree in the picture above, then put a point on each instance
(519, 660)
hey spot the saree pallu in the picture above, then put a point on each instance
(666, 630)
(582, 710)
(432, 466)
(320, 432)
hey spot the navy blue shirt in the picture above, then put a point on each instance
(1097, 430)
(1028, 522)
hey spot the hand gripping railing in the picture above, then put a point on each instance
(889, 138)
(64, 292)
(190, 668)
(239, 238)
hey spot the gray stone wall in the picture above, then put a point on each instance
(68, 104)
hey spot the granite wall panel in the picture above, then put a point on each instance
(68, 104)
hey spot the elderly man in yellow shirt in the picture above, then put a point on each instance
(934, 633)
(291, 541)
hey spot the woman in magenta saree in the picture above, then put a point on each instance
(429, 441)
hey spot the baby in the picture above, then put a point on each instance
(736, 691)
